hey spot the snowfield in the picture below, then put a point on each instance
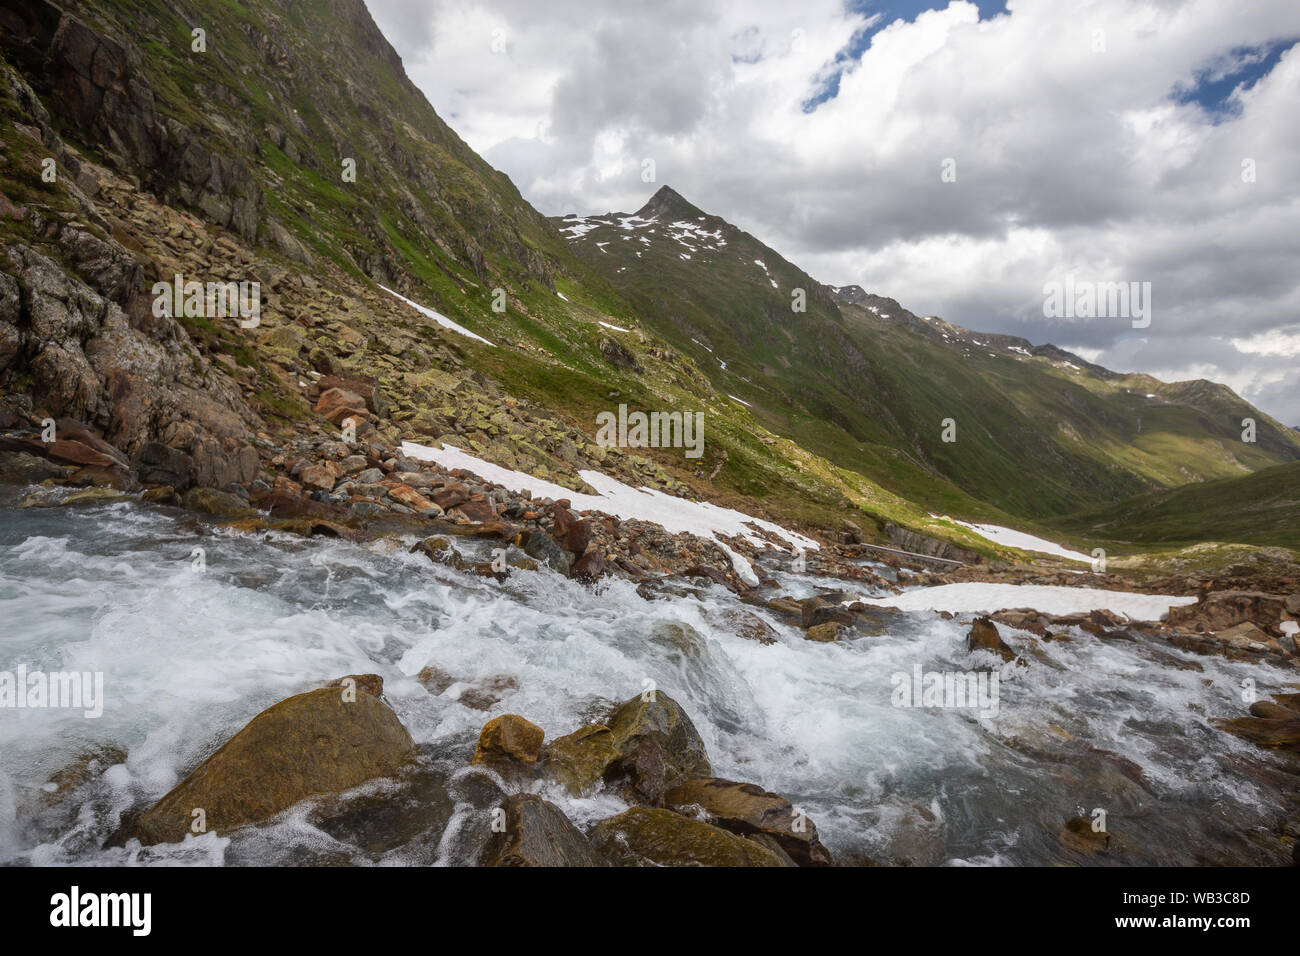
(677, 515)
(983, 598)
(1025, 542)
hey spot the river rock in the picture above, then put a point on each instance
(317, 477)
(579, 760)
(22, 468)
(638, 776)
(313, 743)
(589, 566)
(1220, 610)
(536, 832)
(744, 624)
(1248, 637)
(1275, 734)
(663, 721)
(645, 836)
(219, 503)
(542, 547)
(509, 737)
(745, 809)
(824, 633)
(159, 464)
(983, 636)
(818, 610)
(1079, 835)
(371, 684)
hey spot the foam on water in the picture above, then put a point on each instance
(190, 657)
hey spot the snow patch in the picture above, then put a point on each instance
(438, 317)
(1025, 542)
(676, 515)
(982, 598)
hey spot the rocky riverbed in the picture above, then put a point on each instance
(361, 658)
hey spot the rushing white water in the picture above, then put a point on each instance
(190, 656)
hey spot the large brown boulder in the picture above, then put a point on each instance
(324, 741)
(647, 836)
(1221, 610)
(746, 809)
(579, 760)
(659, 720)
(530, 831)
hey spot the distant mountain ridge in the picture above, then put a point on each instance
(858, 378)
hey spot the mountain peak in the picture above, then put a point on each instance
(669, 201)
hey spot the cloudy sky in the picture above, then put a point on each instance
(1113, 140)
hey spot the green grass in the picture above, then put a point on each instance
(1262, 508)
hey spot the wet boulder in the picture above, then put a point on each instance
(824, 633)
(542, 548)
(818, 610)
(747, 809)
(220, 503)
(658, 718)
(983, 636)
(648, 836)
(744, 624)
(530, 831)
(324, 741)
(579, 760)
(1079, 835)
(509, 737)
(22, 468)
(1220, 610)
(1269, 732)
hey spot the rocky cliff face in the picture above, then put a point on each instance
(78, 337)
(96, 86)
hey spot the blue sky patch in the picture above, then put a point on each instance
(885, 12)
(1212, 85)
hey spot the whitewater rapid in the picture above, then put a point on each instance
(189, 656)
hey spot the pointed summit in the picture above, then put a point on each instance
(667, 203)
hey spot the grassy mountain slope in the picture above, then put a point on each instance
(1262, 508)
(867, 384)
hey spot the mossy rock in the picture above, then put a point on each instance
(664, 722)
(220, 503)
(579, 760)
(747, 809)
(324, 741)
(535, 832)
(645, 836)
